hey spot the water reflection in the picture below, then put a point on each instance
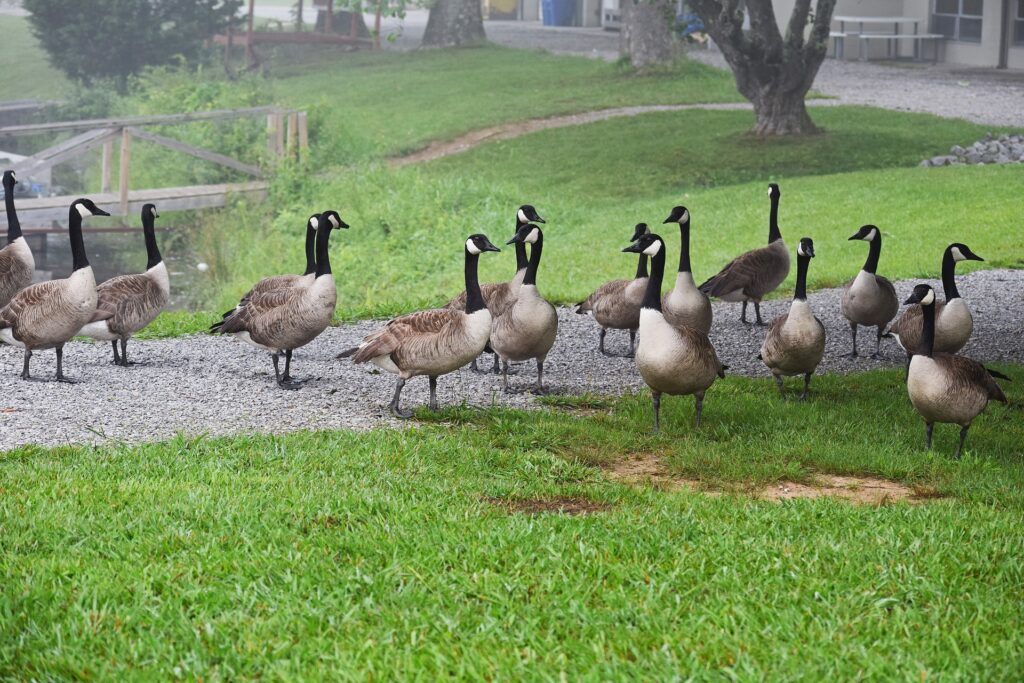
(118, 253)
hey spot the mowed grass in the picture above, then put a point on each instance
(27, 73)
(340, 555)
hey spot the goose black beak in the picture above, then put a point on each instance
(634, 248)
(912, 299)
(537, 219)
(99, 212)
(853, 237)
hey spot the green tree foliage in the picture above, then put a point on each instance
(118, 38)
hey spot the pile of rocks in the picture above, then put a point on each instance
(1005, 149)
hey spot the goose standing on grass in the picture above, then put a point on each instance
(16, 262)
(433, 342)
(127, 303)
(944, 387)
(684, 304)
(953, 320)
(527, 327)
(869, 299)
(498, 295)
(795, 342)
(282, 320)
(672, 360)
(616, 304)
(751, 276)
(48, 314)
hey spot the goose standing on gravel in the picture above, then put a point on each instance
(527, 327)
(672, 360)
(433, 342)
(751, 276)
(795, 342)
(282, 320)
(127, 303)
(16, 262)
(498, 295)
(944, 387)
(869, 299)
(616, 304)
(953, 320)
(684, 304)
(48, 314)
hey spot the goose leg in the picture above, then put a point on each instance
(853, 333)
(287, 376)
(699, 397)
(24, 367)
(743, 313)
(877, 355)
(963, 437)
(504, 378)
(656, 402)
(538, 388)
(807, 386)
(60, 367)
(757, 311)
(393, 406)
(277, 373)
(496, 365)
(928, 427)
(906, 375)
(433, 394)
(117, 356)
(600, 345)
(632, 343)
(782, 389)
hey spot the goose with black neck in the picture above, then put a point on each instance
(16, 261)
(48, 314)
(684, 304)
(869, 299)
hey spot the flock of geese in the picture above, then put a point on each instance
(511, 320)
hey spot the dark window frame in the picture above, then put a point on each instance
(959, 16)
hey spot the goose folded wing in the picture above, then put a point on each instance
(737, 274)
(121, 292)
(495, 294)
(970, 375)
(772, 348)
(404, 329)
(605, 291)
(258, 309)
(32, 305)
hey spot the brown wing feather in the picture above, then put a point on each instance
(31, 305)
(496, 297)
(771, 349)
(746, 272)
(968, 374)
(242, 320)
(389, 338)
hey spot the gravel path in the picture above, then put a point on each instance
(204, 384)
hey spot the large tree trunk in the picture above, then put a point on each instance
(646, 36)
(772, 71)
(454, 22)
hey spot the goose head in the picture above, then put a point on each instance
(87, 207)
(922, 294)
(9, 180)
(528, 234)
(149, 211)
(639, 231)
(528, 214)
(331, 220)
(477, 244)
(868, 233)
(649, 244)
(961, 252)
(773, 191)
(679, 214)
(806, 247)
(313, 222)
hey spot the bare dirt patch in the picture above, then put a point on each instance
(649, 469)
(566, 505)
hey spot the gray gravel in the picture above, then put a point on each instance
(203, 384)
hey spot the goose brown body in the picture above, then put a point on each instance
(16, 261)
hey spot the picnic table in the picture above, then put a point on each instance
(856, 29)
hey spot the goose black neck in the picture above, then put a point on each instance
(684, 246)
(323, 257)
(310, 250)
(773, 222)
(874, 251)
(949, 276)
(927, 345)
(78, 258)
(652, 297)
(13, 224)
(521, 261)
(474, 299)
(152, 250)
(535, 250)
(641, 266)
(802, 262)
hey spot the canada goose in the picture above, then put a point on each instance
(672, 360)
(498, 295)
(795, 342)
(432, 342)
(869, 299)
(16, 262)
(953, 321)
(684, 304)
(527, 327)
(750, 276)
(269, 284)
(944, 387)
(127, 303)
(616, 304)
(48, 314)
(282, 320)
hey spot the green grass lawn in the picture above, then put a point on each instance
(26, 72)
(377, 555)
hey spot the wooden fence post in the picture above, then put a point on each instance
(279, 135)
(303, 134)
(293, 135)
(107, 170)
(123, 174)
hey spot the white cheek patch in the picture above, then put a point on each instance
(314, 222)
(957, 254)
(532, 237)
(653, 249)
(769, 192)
(82, 210)
(800, 250)
(872, 233)
(929, 298)
(333, 220)
(521, 217)
(685, 217)
(152, 210)
(471, 247)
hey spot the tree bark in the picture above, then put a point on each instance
(646, 37)
(772, 71)
(454, 22)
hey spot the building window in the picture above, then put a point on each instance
(960, 19)
(1018, 24)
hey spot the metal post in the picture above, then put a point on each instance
(123, 173)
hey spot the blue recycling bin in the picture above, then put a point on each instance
(558, 12)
